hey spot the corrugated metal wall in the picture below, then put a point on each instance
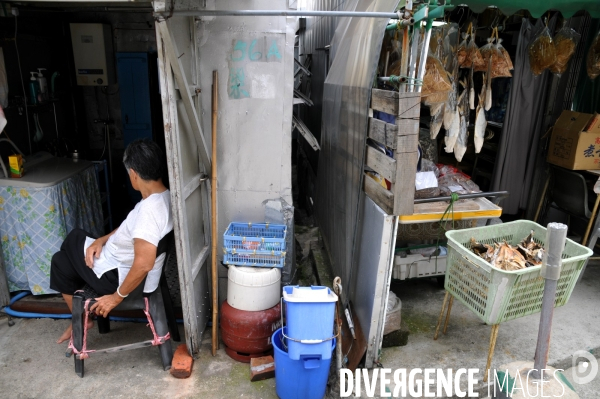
(355, 52)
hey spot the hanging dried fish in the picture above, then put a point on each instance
(463, 135)
(437, 119)
(480, 125)
(450, 107)
(488, 90)
(471, 92)
(460, 147)
(452, 134)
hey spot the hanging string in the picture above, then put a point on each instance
(449, 211)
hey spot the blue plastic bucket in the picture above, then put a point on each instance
(305, 378)
(309, 315)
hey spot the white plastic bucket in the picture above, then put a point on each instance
(253, 288)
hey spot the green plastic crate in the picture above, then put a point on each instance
(496, 295)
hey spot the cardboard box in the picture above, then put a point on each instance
(15, 163)
(575, 142)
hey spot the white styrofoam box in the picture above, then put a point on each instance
(414, 266)
(253, 288)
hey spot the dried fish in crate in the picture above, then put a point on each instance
(504, 256)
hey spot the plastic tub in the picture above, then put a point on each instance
(253, 288)
(305, 378)
(309, 314)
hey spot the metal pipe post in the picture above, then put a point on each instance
(414, 49)
(551, 266)
(279, 13)
(425, 50)
(214, 238)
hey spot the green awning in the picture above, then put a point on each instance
(537, 8)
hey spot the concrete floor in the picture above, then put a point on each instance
(33, 366)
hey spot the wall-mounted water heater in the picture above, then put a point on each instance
(93, 54)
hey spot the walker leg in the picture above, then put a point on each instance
(78, 330)
(448, 314)
(493, 338)
(439, 323)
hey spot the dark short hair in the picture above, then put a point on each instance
(146, 158)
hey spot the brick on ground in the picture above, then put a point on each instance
(262, 368)
(181, 366)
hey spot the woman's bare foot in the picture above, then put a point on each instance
(67, 334)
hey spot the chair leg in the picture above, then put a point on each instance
(448, 314)
(157, 312)
(170, 311)
(77, 325)
(493, 338)
(103, 325)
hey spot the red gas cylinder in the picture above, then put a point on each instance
(248, 334)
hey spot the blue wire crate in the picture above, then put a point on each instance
(255, 244)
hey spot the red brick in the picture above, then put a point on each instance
(262, 368)
(181, 366)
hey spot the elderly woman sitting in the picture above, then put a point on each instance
(114, 265)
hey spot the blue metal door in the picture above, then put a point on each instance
(134, 89)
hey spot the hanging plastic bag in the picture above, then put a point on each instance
(436, 78)
(542, 53)
(450, 46)
(435, 81)
(471, 56)
(500, 47)
(593, 58)
(565, 42)
(461, 53)
(500, 67)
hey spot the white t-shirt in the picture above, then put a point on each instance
(150, 220)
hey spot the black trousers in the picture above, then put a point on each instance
(69, 273)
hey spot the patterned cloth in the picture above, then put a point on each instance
(35, 221)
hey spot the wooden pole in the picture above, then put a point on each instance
(213, 180)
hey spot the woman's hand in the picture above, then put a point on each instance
(105, 304)
(93, 251)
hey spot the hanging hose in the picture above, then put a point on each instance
(31, 315)
(449, 209)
